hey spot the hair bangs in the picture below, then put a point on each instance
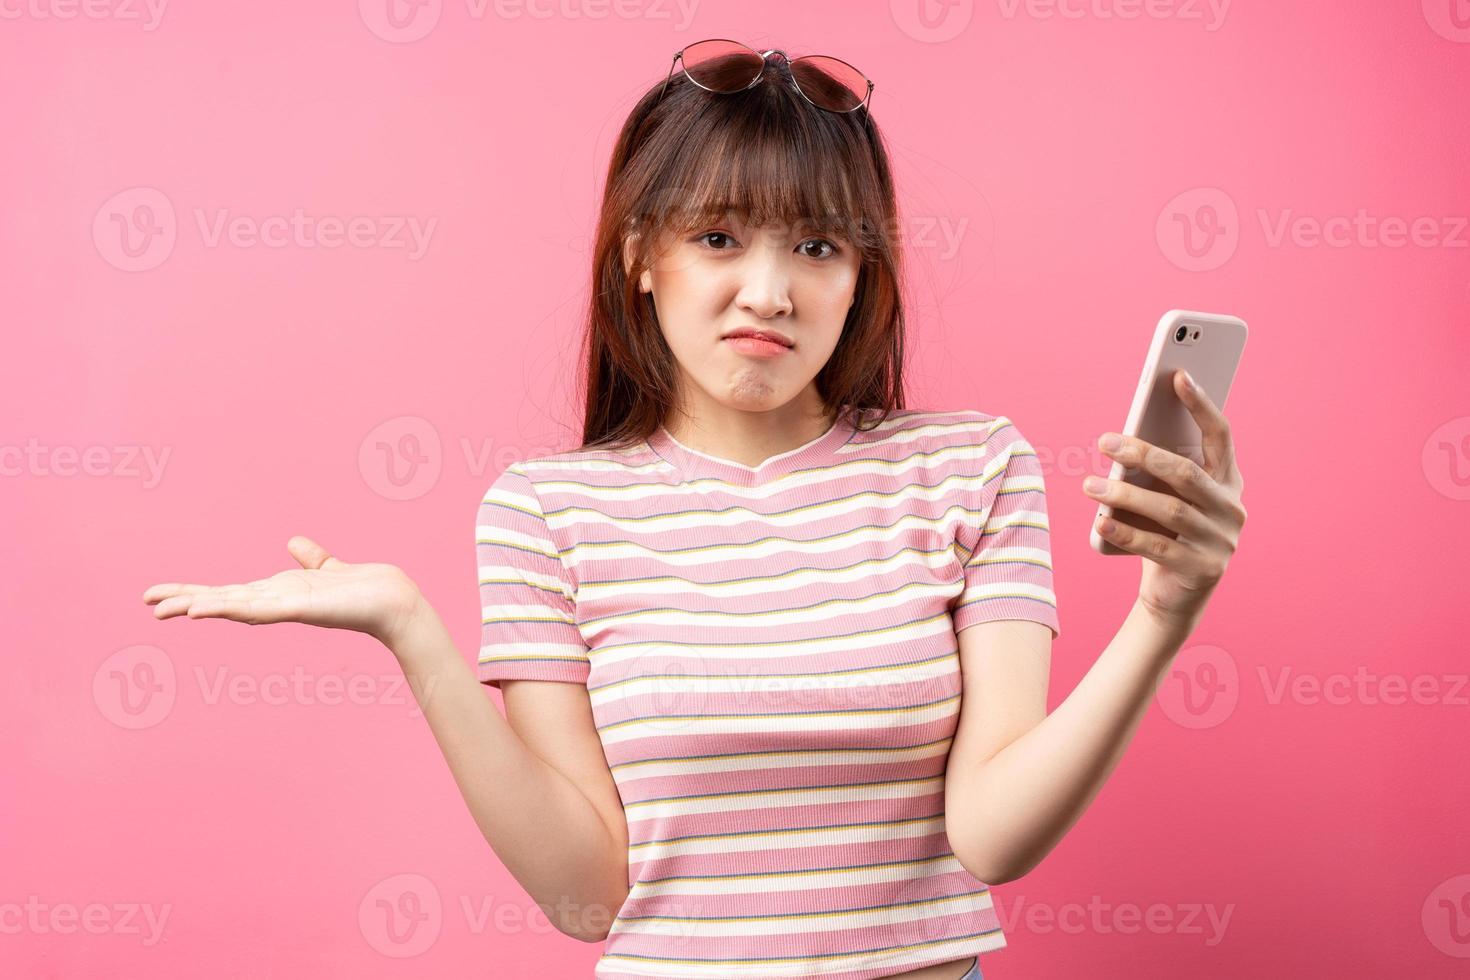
(791, 173)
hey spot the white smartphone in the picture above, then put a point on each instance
(1208, 346)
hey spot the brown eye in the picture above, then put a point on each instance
(715, 234)
(832, 249)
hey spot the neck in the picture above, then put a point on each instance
(750, 437)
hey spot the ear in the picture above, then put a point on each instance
(645, 278)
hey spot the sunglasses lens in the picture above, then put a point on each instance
(830, 83)
(722, 66)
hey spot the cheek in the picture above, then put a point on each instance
(831, 299)
(686, 284)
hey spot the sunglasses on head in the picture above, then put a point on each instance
(725, 67)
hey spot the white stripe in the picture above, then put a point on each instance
(1020, 517)
(809, 922)
(624, 551)
(764, 882)
(519, 650)
(583, 500)
(776, 841)
(493, 535)
(660, 652)
(765, 760)
(689, 724)
(835, 610)
(774, 798)
(939, 559)
(789, 689)
(540, 612)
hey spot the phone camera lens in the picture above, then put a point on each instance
(1180, 334)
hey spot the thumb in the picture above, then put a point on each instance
(310, 554)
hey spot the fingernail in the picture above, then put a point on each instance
(1111, 442)
(1094, 484)
(1189, 381)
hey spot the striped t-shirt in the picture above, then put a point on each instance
(771, 660)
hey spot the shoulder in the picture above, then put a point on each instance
(580, 466)
(962, 433)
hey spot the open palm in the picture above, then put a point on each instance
(370, 597)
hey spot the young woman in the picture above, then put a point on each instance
(773, 648)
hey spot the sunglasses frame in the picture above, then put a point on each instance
(764, 56)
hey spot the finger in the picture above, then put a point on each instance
(1171, 512)
(1218, 448)
(163, 590)
(310, 554)
(177, 604)
(167, 590)
(1184, 475)
(1147, 544)
(253, 612)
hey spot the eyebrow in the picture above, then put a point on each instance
(805, 226)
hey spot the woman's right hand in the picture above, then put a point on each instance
(371, 598)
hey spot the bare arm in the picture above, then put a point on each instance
(1007, 806)
(570, 854)
(1022, 780)
(536, 780)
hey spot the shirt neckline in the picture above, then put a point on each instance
(692, 464)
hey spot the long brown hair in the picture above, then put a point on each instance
(767, 155)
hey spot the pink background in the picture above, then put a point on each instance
(366, 395)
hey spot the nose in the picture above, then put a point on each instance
(765, 282)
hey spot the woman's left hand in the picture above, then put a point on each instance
(1203, 510)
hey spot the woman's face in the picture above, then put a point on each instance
(715, 280)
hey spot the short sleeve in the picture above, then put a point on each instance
(1007, 563)
(528, 621)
